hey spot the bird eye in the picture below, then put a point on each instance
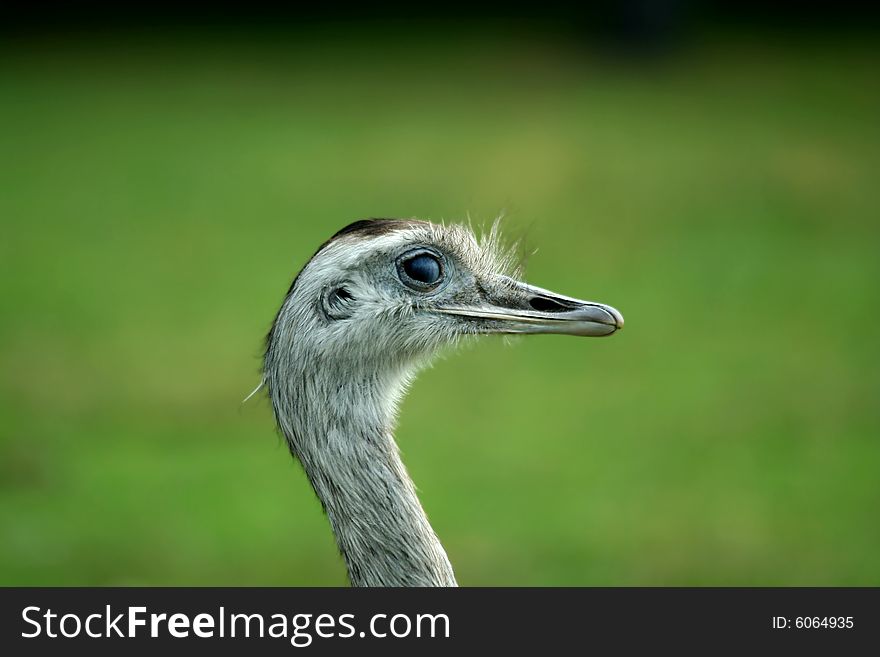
(424, 269)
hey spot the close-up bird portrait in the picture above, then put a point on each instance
(332, 302)
(376, 302)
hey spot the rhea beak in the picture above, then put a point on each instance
(516, 307)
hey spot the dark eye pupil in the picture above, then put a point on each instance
(423, 268)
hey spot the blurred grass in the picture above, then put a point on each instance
(158, 196)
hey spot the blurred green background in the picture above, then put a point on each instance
(159, 192)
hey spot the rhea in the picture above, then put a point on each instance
(371, 307)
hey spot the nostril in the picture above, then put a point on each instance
(545, 305)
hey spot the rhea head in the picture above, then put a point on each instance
(390, 292)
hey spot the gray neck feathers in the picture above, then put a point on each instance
(338, 424)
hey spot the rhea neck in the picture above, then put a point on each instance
(338, 418)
